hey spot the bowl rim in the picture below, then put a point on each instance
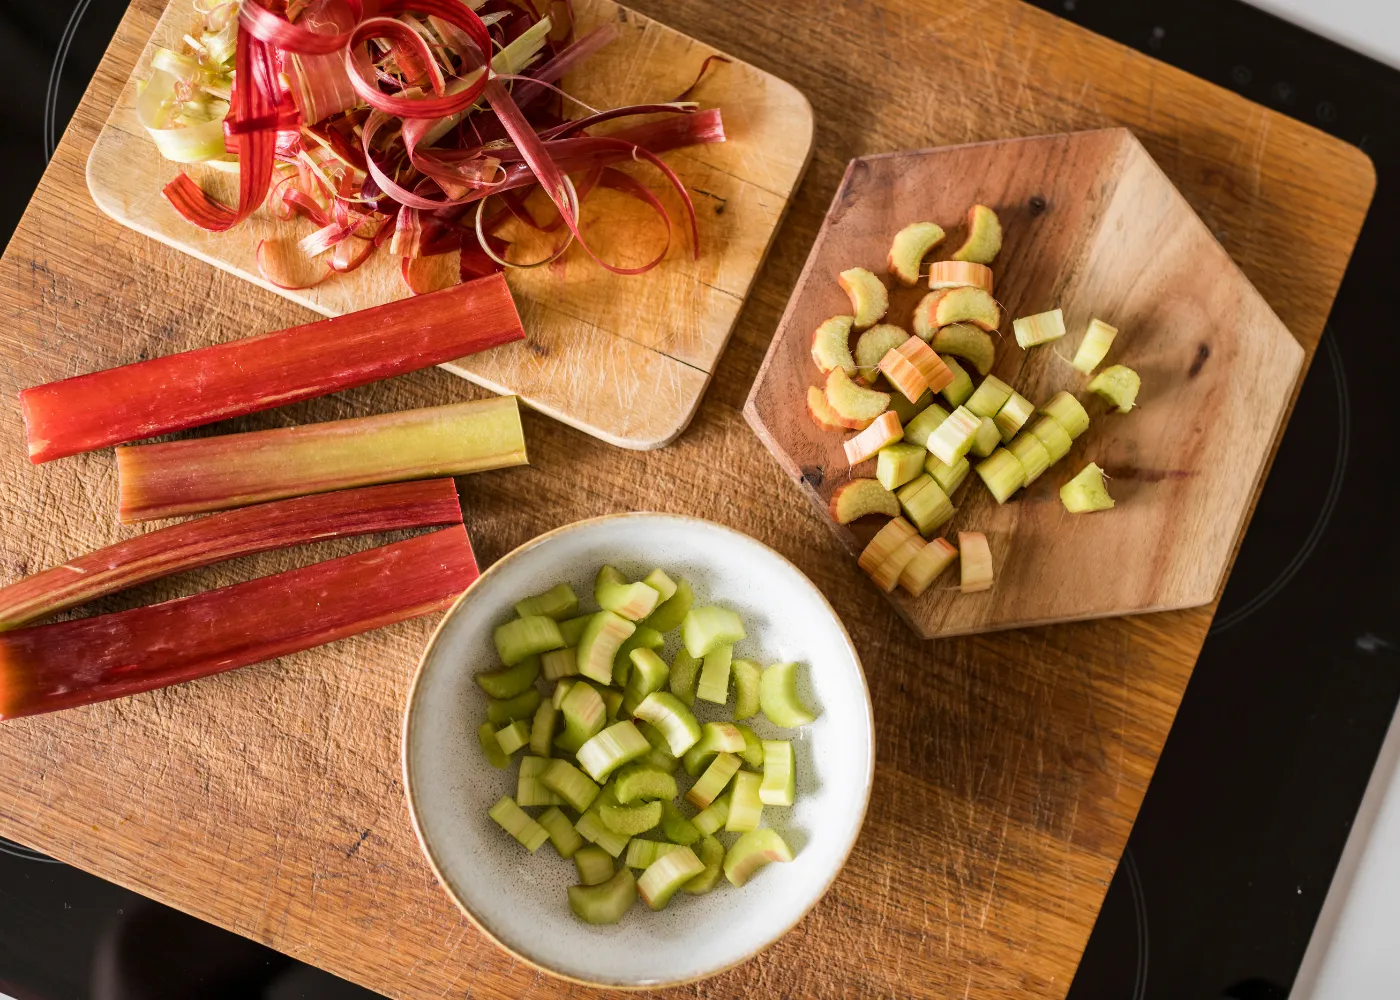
(410, 711)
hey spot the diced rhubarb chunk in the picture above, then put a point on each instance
(867, 444)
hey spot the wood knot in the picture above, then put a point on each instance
(813, 477)
(1202, 353)
(537, 349)
(1037, 205)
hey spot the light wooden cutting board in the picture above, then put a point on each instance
(1094, 227)
(625, 358)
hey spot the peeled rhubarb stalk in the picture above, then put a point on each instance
(925, 504)
(911, 245)
(928, 364)
(1094, 347)
(831, 346)
(927, 566)
(976, 561)
(172, 393)
(983, 236)
(953, 273)
(971, 343)
(1118, 384)
(1040, 328)
(1002, 473)
(884, 544)
(869, 297)
(208, 540)
(887, 576)
(854, 405)
(1068, 412)
(50, 667)
(872, 346)
(860, 497)
(1086, 492)
(213, 473)
(1013, 415)
(883, 432)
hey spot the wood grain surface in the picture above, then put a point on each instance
(1011, 765)
(1095, 228)
(623, 358)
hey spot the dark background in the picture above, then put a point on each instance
(1252, 802)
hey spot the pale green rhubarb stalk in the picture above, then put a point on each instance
(645, 853)
(633, 601)
(746, 677)
(510, 681)
(234, 470)
(661, 758)
(601, 639)
(638, 782)
(575, 787)
(516, 822)
(753, 851)
(605, 903)
(658, 581)
(503, 711)
(524, 637)
(592, 828)
(715, 738)
(530, 790)
(666, 875)
(713, 817)
(675, 827)
(672, 719)
(629, 821)
(713, 685)
(752, 754)
(712, 856)
(542, 728)
(486, 736)
(610, 749)
(594, 865)
(685, 671)
(713, 781)
(512, 737)
(643, 637)
(572, 629)
(557, 602)
(649, 674)
(557, 663)
(777, 694)
(706, 629)
(584, 714)
(563, 835)
(672, 611)
(779, 786)
(745, 806)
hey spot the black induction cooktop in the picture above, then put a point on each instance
(1251, 804)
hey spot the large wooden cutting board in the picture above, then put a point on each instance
(1011, 765)
(625, 358)
(1095, 228)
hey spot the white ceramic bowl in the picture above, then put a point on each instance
(519, 899)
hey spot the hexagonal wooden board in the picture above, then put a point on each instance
(625, 359)
(1093, 226)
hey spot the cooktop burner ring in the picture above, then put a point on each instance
(1329, 504)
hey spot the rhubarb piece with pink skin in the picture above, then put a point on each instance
(208, 540)
(185, 390)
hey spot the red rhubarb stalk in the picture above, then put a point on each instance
(256, 373)
(213, 539)
(72, 663)
(214, 473)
